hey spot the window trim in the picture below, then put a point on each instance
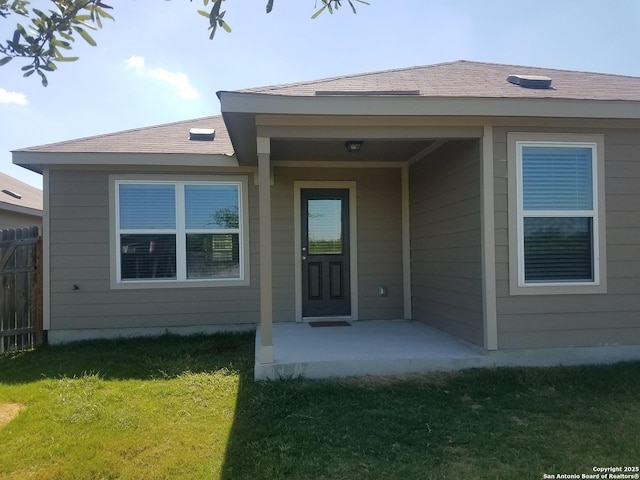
(180, 180)
(517, 284)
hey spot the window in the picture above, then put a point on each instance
(179, 231)
(559, 238)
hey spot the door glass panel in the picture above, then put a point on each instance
(325, 226)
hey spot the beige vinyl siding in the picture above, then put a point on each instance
(445, 240)
(379, 219)
(79, 239)
(282, 245)
(586, 319)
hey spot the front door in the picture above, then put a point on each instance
(325, 252)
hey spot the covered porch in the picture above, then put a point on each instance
(415, 257)
(416, 237)
(419, 203)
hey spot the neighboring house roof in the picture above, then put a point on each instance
(167, 138)
(17, 196)
(467, 79)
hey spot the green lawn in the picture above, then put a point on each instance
(187, 407)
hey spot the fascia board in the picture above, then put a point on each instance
(34, 160)
(255, 103)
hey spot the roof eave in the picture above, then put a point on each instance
(37, 160)
(259, 103)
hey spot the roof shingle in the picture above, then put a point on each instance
(459, 79)
(470, 79)
(166, 138)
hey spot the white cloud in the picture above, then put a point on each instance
(179, 81)
(8, 97)
(135, 62)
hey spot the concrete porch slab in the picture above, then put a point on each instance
(365, 348)
(400, 347)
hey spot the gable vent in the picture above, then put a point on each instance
(202, 134)
(12, 194)
(530, 81)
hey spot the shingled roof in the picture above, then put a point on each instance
(468, 79)
(166, 138)
(460, 79)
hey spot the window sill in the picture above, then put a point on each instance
(160, 284)
(558, 289)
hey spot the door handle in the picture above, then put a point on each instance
(304, 253)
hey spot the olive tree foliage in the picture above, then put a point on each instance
(44, 37)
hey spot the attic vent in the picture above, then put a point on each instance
(364, 93)
(530, 81)
(12, 194)
(202, 134)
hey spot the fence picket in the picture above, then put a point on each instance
(20, 289)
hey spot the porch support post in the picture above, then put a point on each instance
(406, 244)
(487, 212)
(266, 277)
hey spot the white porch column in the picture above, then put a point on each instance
(487, 222)
(266, 276)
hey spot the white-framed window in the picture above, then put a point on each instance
(556, 208)
(179, 232)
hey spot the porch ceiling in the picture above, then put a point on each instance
(322, 138)
(334, 150)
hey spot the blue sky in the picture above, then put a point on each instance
(155, 63)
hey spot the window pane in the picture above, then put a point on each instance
(148, 257)
(147, 206)
(558, 249)
(557, 178)
(325, 226)
(211, 206)
(213, 255)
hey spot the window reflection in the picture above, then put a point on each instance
(325, 226)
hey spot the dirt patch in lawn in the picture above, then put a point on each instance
(9, 411)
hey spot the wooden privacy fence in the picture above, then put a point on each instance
(20, 289)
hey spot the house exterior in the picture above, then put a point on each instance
(505, 215)
(20, 204)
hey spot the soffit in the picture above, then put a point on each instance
(335, 150)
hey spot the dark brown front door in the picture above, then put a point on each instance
(325, 253)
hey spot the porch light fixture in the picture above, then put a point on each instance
(353, 146)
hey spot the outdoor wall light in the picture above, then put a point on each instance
(353, 146)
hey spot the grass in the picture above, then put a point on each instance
(187, 408)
